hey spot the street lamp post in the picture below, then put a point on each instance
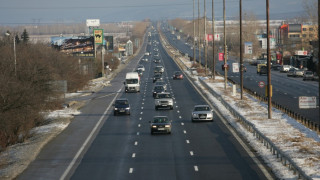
(14, 53)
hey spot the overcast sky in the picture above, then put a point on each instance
(17, 12)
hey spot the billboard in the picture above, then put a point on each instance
(98, 36)
(108, 42)
(81, 46)
(93, 22)
(248, 47)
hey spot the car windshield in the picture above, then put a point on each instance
(309, 72)
(131, 81)
(121, 102)
(158, 88)
(160, 120)
(202, 108)
(164, 96)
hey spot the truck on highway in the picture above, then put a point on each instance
(132, 82)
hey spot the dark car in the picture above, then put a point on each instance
(121, 106)
(178, 75)
(140, 72)
(157, 77)
(158, 89)
(160, 124)
(263, 70)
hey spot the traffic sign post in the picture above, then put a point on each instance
(261, 84)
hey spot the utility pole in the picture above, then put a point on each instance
(268, 66)
(225, 45)
(241, 51)
(205, 38)
(199, 32)
(194, 35)
(213, 61)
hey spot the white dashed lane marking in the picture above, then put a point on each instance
(136, 143)
(138, 133)
(139, 125)
(187, 141)
(133, 155)
(182, 124)
(191, 153)
(184, 131)
(131, 170)
(196, 168)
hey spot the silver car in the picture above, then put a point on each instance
(202, 113)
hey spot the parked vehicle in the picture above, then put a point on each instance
(285, 68)
(263, 70)
(160, 124)
(132, 83)
(259, 67)
(308, 75)
(121, 106)
(291, 72)
(298, 73)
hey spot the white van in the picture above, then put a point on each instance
(132, 83)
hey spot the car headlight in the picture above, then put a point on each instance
(116, 109)
(167, 126)
(170, 103)
(154, 126)
(209, 115)
(194, 115)
(127, 108)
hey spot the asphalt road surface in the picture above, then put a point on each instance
(123, 147)
(286, 90)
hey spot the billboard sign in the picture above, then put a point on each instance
(98, 36)
(81, 46)
(109, 43)
(93, 22)
(221, 58)
(209, 37)
(235, 67)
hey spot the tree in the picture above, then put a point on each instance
(25, 36)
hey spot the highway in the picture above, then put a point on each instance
(286, 90)
(98, 145)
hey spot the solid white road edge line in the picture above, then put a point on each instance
(66, 172)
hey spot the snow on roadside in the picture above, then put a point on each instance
(15, 159)
(301, 144)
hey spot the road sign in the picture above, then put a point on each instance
(221, 56)
(235, 67)
(307, 102)
(261, 84)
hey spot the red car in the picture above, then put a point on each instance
(178, 75)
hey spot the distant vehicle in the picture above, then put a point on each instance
(161, 83)
(157, 77)
(177, 75)
(121, 106)
(291, 72)
(298, 73)
(159, 69)
(285, 68)
(308, 75)
(141, 67)
(263, 70)
(160, 124)
(157, 61)
(140, 72)
(157, 89)
(276, 67)
(144, 59)
(163, 100)
(202, 113)
(132, 82)
(259, 67)
(147, 53)
(261, 61)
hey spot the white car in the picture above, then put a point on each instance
(202, 113)
(163, 100)
(141, 67)
(285, 68)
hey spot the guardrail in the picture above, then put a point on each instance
(286, 161)
(300, 118)
(305, 121)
